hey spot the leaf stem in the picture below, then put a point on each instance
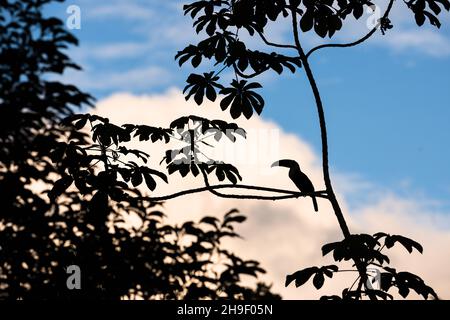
(288, 194)
(357, 42)
(323, 130)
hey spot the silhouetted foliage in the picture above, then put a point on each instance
(224, 24)
(75, 192)
(68, 197)
(367, 248)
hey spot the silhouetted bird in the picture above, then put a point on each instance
(300, 179)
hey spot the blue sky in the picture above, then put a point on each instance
(387, 101)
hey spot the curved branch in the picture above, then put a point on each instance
(357, 42)
(240, 196)
(323, 130)
(325, 161)
(276, 45)
(288, 194)
(220, 71)
(248, 76)
(342, 45)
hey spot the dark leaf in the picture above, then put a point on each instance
(301, 277)
(318, 280)
(60, 187)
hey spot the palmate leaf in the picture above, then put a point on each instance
(183, 122)
(302, 276)
(217, 45)
(405, 242)
(242, 58)
(269, 9)
(391, 240)
(324, 19)
(419, 8)
(218, 128)
(201, 85)
(243, 16)
(223, 171)
(138, 174)
(183, 165)
(238, 55)
(137, 153)
(405, 281)
(148, 174)
(253, 15)
(190, 52)
(318, 280)
(146, 133)
(356, 246)
(210, 23)
(108, 133)
(242, 99)
(260, 61)
(206, 6)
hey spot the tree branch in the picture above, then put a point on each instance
(276, 45)
(324, 137)
(288, 194)
(323, 129)
(248, 76)
(357, 42)
(239, 196)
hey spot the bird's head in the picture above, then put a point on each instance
(291, 164)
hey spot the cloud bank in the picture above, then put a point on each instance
(287, 235)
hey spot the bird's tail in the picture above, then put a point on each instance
(316, 207)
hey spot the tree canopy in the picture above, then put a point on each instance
(69, 181)
(63, 202)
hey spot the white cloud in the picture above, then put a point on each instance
(287, 235)
(114, 50)
(427, 41)
(133, 79)
(160, 29)
(405, 37)
(121, 10)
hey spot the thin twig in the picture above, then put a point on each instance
(272, 44)
(288, 194)
(324, 138)
(239, 196)
(248, 76)
(357, 42)
(323, 129)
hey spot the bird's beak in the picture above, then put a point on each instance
(275, 164)
(284, 163)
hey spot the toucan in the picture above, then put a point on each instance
(300, 179)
